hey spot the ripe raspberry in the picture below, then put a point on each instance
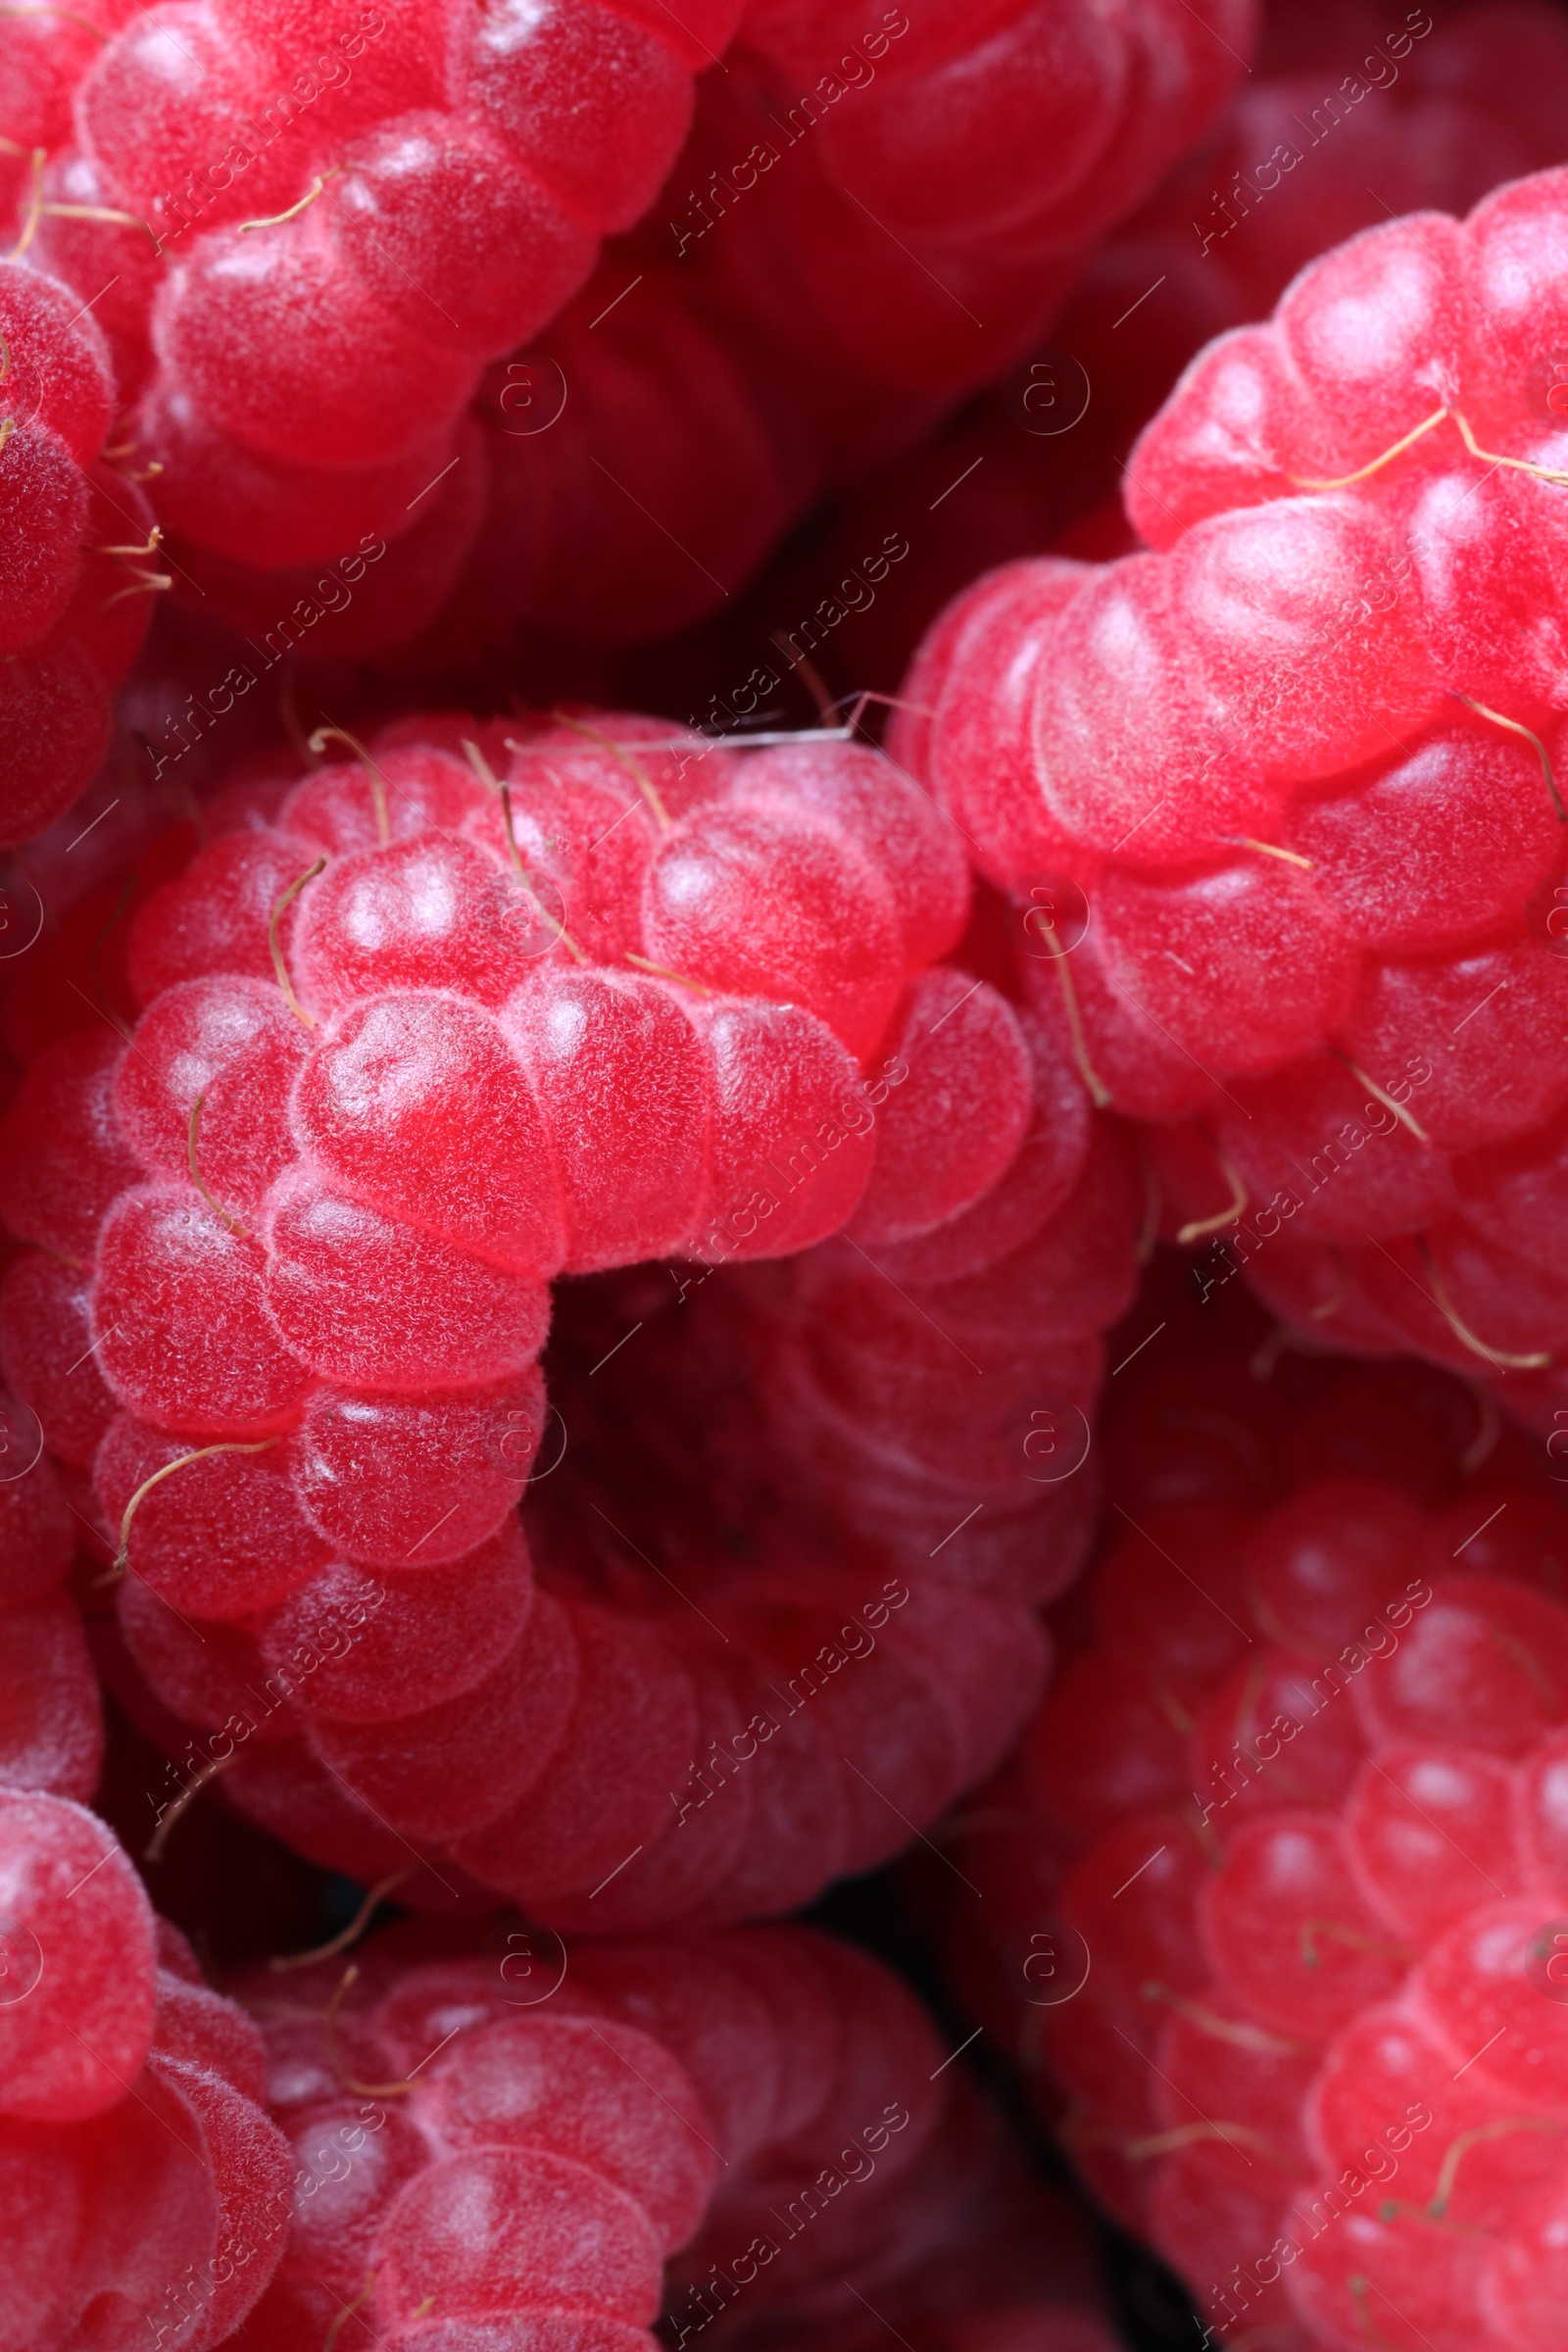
(311, 1310)
(144, 2185)
(316, 244)
(531, 2136)
(1291, 1805)
(1298, 886)
(792, 306)
(75, 544)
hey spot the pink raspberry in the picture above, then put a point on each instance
(1272, 1888)
(144, 2185)
(1298, 886)
(78, 555)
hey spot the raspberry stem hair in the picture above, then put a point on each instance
(341, 2318)
(153, 1851)
(1378, 1096)
(1344, 481)
(1224, 2029)
(1315, 1932)
(663, 973)
(1202, 1227)
(329, 734)
(111, 213)
(502, 791)
(276, 219)
(347, 1936)
(278, 965)
(623, 756)
(1099, 1093)
(200, 1454)
(1516, 726)
(1185, 2135)
(193, 1140)
(1505, 1362)
(67, 16)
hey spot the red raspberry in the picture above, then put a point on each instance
(144, 2185)
(365, 215)
(1290, 1807)
(1260, 910)
(530, 2136)
(719, 1738)
(78, 552)
(934, 1379)
(314, 1308)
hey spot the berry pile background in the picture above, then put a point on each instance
(783, 1175)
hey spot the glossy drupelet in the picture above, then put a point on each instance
(1353, 114)
(876, 211)
(510, 2148)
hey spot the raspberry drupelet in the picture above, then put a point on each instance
(551, 2143)
(874, 212)
(1351, 119)
(1348, 118)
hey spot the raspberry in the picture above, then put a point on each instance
(149, 2186)
(792, 306)
(568, 2123)
(1263, 913)
(312, 1310)
(1292, 1798)
(72, 555)
(713, 1740)
(282, 207)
